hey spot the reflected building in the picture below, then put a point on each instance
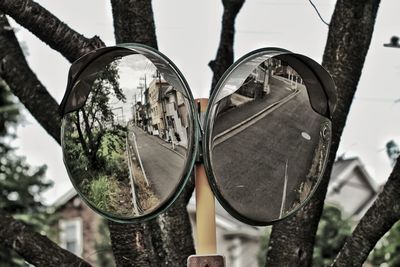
(157, 123)
(175, 116)
(164, 113)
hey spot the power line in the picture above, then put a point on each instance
(319, 15)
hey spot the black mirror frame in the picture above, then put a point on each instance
(327, 95)
(78, 67)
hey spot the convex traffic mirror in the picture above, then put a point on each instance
(130, 133)
(268, 134)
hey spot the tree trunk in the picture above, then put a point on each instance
(49, 28)
(33, 247)
(224, 58)
(129, 244)
(349, 37)
(169, 240)
(177, 231)
(134, 22)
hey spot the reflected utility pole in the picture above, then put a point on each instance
(142, 86)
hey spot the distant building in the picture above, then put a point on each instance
(351, 187)
(78, 232)
(77, 227)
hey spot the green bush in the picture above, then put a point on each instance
(103, 192)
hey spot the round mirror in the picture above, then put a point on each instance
(268, 134)
(128, 135)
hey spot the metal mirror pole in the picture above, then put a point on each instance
(206, 243)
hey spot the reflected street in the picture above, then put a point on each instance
(269, 141)
(162, 175)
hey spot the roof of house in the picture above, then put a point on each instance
(343, 167)
(63, 199)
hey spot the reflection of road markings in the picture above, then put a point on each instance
(139, 159)
(284, 191)
(234, 130)
(133, 191)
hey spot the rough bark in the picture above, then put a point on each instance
(349, 37)
(129, 244)
(33, 247)
(14, 70)
(224, 58)
(168, 238)
(382, 215)
(49, 28)
(177, 231)
(134, 22)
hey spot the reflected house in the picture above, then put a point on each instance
(140, 118)
(156, 119)
(146, 111)
(175, 116)
(266, 75)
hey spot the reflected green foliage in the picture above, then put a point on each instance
(20, 184)
(103, 191)
(387, 250)
(331, 235)
(94, 145)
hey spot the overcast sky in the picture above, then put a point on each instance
(188, 33)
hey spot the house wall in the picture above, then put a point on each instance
(351, 194)
(76, 209)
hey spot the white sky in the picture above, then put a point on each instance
(188, 33)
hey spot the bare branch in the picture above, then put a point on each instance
(349, 37)
(224, 58)
(33, 247)
(49, 28)
(14, 70)
(383, 214)
(138, 14)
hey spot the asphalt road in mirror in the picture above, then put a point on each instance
(163, 166)
(252, 159)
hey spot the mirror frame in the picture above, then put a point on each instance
(328, 95)
(131, 48)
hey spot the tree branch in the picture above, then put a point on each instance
(138, 14)
(224, 58)
(349, 37)
(382, 215)
(33, 247)
(14, 70)
(49, 28)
